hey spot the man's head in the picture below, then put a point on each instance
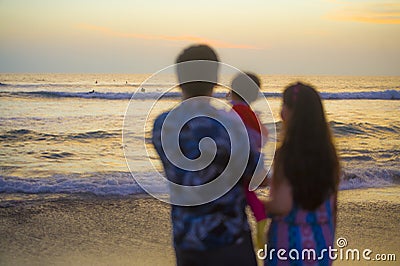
(197, 68)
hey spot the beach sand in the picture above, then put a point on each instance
(137, 230)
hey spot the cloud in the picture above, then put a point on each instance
(382, 12)
(181, 38)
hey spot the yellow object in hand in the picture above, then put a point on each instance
(260, 233)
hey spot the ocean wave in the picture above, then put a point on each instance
(372, 95)
(84, 85)
(31, 135)
(339, 129)
(123, 184)
(56, 155)
(93, 95)
(368, 95)
(367, 178)
(364, 158)
(101, 184)
(346, 129)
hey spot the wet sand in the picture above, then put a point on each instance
(370, 219)
(137, 231)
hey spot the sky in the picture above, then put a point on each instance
(293, 37)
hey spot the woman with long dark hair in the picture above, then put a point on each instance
(304, 184)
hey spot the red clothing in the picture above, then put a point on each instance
(250, 120)
(247, 115)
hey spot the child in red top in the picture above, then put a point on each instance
(245, 89)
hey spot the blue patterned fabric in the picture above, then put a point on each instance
(302, 230)
(220, 222)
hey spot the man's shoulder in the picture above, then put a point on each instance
(217, 119)
(160, 120)
(214, 123)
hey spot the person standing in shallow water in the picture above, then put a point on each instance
(304, 185)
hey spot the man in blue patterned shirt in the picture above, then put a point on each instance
(206, 166)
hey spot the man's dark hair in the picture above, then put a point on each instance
(197, 78)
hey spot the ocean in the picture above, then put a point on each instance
(61, 134)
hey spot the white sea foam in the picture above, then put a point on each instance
(101, 184)
(371, 177)
(123, 184)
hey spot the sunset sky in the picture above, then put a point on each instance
(332, 37)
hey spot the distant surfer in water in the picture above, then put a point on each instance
(92, 91)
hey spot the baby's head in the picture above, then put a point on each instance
(245, 87)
